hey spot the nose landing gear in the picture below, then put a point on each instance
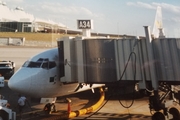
(49, 108)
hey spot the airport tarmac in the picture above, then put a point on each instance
(111, 111)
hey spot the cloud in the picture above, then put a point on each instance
(165, 6)
(66, 14)
(168, 7)
(141, 4)
(70, 10)
(176, 19)
(15, 1)
(171, 12)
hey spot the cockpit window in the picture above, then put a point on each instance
(52, 65)
(40, 63)
(45, 65)
(40, 59)
(32, 64)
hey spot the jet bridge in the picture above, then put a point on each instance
(106, 60)
(103, 60)
(93, 60)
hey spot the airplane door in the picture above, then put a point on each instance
(52, 76)
(51, 72)
(51, 83)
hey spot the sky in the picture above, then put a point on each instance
(109, 16)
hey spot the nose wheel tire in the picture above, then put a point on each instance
(175, 113)
(158, 116)
(49, 108)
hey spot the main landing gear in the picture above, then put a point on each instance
(162, 106)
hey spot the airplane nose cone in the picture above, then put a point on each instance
(20, 81)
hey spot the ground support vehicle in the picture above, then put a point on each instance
(5, 112)
(1, 81)
(7, 69)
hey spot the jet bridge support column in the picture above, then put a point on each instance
(151, 58)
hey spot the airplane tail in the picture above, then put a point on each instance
(158, 31)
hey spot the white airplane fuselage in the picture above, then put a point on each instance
(39, 77)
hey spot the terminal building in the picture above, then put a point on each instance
(17, 20)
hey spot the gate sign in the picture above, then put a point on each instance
(84, 24)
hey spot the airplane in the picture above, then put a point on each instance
(39, 77)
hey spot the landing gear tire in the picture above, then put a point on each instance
(175, 113)
(158, 116)
(53, 108)
(49, 108)
(3, 115)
